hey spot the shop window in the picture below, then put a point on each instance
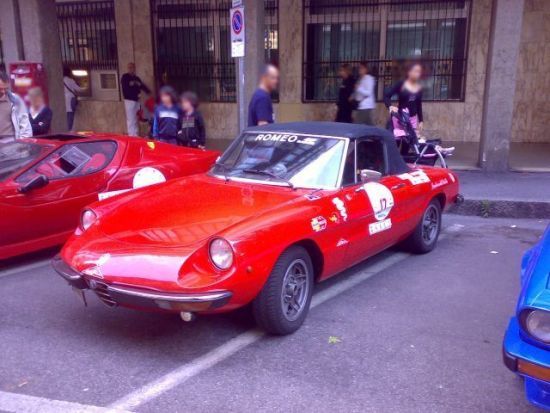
(386, 33)
(192, 46)
(87, 32)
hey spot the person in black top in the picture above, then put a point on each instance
(409, 98)
(40, 115)
(260, 109)
(345, 95)
(132, 86)
(193, 132)
(409, 95)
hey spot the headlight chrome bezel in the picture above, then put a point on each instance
(87, 218)
(217, 247)
(529, 317)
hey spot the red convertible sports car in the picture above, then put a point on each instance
(287, 205)
(45, 183)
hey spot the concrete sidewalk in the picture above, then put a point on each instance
(511, 194)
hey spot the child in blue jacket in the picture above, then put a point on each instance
(168, 117)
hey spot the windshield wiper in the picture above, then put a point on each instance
(225, 169)
(270, 174)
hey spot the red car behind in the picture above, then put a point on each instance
(45, 183)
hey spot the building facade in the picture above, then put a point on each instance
(185, 43)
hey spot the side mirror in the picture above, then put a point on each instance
(368, 175)
(38, 181)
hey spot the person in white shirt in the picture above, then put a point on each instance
(365, 96)
(71, 90)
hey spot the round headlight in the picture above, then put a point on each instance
(87, 218)
(537, 323)
(221, 253)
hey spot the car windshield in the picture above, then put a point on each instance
(15, 156)
(284, 159)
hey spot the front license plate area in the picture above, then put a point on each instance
(81, 295)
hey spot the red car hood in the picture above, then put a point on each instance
(186, 211)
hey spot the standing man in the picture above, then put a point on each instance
(14, 118)
(260, 109)
(345, 95)
(131, 89)
(365, 95)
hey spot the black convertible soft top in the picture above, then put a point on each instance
(396, 164)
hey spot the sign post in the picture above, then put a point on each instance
(238, 30)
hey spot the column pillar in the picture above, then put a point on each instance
(30, 32)
(10, 30)
(500, 84)
(254, 15)
(290, 58)
(134, 39)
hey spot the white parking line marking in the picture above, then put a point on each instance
(23, 268)
(20, 403)
(185, 372)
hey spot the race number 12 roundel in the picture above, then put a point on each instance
(380, 198)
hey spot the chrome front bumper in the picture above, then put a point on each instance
(114, 295)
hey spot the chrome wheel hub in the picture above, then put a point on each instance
(430, 224)
(295, 289)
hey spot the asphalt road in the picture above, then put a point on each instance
(397, 333)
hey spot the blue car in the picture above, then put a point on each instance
(526, 349)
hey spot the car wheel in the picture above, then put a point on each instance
(424, 238)
(283, 303)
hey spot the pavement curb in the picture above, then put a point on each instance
(502, 209)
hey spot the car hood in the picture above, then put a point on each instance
(185, 211)
(535, 269)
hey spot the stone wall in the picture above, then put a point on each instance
(135, 44)
(453, 121)
(100, 116)
(531, 114)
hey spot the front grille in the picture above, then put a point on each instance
(102, 291)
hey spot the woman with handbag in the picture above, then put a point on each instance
(71, 90)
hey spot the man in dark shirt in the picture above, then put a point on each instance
(260, 109)
(132, 86)
(345, 99)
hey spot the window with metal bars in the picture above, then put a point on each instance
(88, 34)
(2, 64)
(192, 46)
(386, 34)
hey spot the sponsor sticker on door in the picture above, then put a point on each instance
(380, 226)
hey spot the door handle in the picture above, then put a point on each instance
(398, 186)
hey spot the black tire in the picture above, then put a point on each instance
(270, 308)
(424, 238)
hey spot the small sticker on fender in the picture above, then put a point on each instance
(341, 242)
(107, 195)
(318, 224)
(312, 197)
(416, 177)
(441, 182)
(341, 207)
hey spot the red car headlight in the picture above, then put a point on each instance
(221, 253)
(87, 218)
